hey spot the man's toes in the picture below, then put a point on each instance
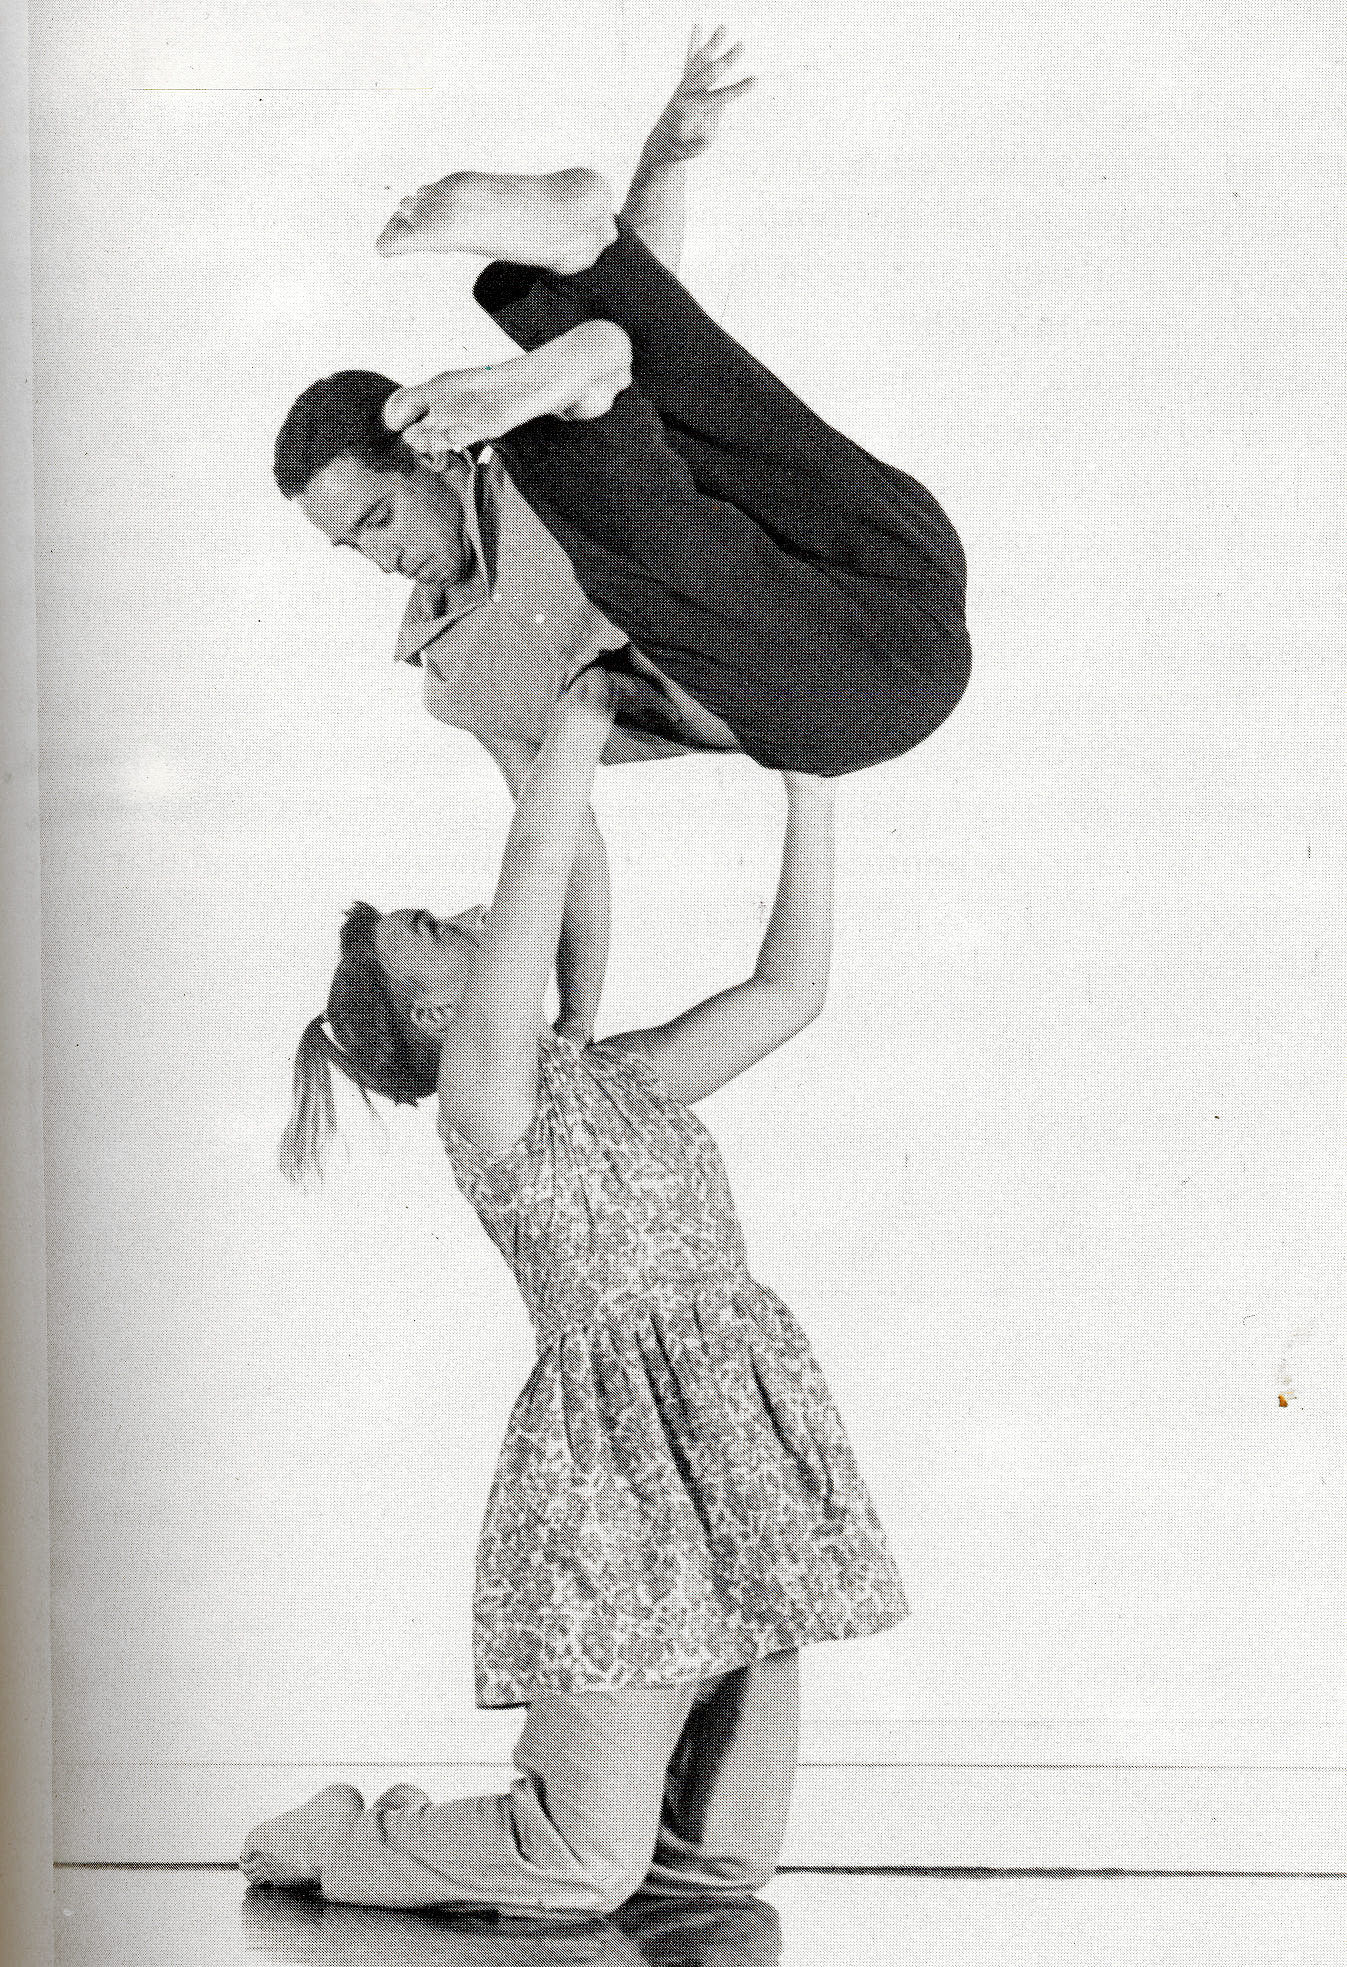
(396, 237)
(401, 1796)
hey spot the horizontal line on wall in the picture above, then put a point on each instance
(850, 1871)
(1058, 1721)
(285, 89)
(917, 1819)
(496, 1761)
(1029, 1871)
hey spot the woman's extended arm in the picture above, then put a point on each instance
(582, 949)
(717, 1040)
(489, 1056)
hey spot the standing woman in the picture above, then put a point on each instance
(676, 1509)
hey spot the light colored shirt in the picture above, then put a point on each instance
(499, 647)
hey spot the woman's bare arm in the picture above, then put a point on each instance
(720, 1038)
(489, 1058)
(582, 951)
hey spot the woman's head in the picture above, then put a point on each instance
(395, 988)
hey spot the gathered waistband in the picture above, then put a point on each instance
(708, 1300)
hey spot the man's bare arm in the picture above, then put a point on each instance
(582, 953)
(687, 126)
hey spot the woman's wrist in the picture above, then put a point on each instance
(584, 710)
(804, 788)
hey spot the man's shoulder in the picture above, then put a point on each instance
(454, 690)
(425, 617)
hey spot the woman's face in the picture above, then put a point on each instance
(429, 957)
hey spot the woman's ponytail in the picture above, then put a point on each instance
(313, 1118)
(366, 1038)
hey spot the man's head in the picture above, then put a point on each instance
(362, 486)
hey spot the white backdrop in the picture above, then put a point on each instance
(1055, 1185)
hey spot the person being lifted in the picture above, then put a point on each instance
(634, 490)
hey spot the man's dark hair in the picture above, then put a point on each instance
(339, 417)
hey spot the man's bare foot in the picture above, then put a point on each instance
(292, 1849)
(562, 221)
(577, 375)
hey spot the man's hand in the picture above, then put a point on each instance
(687, 126)
(690, 120)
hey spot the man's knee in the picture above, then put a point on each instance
(897, 684)
(957, 669)
(914, 698)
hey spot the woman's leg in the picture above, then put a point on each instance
(729, 1784)
(574, 1836)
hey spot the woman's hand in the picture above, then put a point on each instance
(589, 695)
(801, 786)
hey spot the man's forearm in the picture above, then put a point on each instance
(582, 953)
(686, 126)
(656, 207)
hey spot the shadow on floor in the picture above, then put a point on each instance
(299, 1928)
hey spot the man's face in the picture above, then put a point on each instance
(406, 523)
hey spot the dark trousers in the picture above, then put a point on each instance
(804, 591)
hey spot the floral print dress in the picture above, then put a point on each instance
(676, 1495)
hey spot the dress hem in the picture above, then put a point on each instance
(776, 1643)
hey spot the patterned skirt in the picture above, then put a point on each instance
(676, 1496)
